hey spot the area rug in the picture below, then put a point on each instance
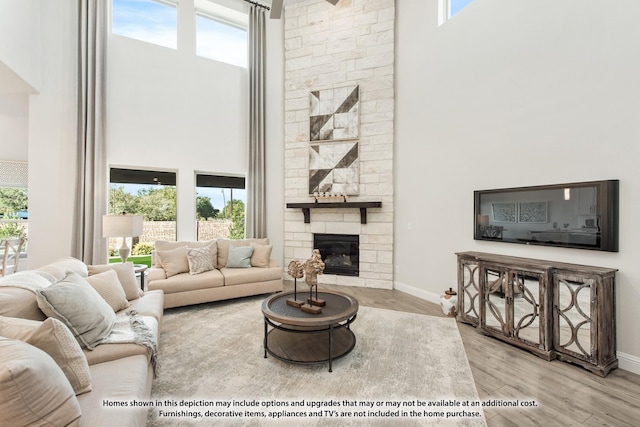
(405, 369)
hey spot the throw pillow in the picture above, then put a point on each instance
(76, 304)
(126, 277)
(225, 244)
(239, 256)
(200, 260)
(110, 289)
(33, 389)
(174, 261)
(62, 266)
(54, 338)
(18, 295)
(165, 245)
(261, 255)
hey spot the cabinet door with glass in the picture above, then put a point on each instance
(468, 291)
(584, 320)
(514, 306)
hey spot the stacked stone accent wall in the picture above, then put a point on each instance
(328, 47)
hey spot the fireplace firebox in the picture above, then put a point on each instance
(340, 253)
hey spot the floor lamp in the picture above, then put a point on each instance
(122, 226)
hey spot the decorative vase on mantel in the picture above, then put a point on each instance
(448, 302)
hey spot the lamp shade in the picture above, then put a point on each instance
(122, 225)
(483, 219)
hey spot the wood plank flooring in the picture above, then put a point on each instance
(567, 395)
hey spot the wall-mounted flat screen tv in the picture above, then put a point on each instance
(581, 215)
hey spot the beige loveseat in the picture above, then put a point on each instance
(55, 371)
(198, 272)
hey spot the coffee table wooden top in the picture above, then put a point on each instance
(339, 307)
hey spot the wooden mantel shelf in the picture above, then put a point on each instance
(306, 208)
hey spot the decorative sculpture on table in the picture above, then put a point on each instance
(310, 270)
(312, 267)
(296, 270)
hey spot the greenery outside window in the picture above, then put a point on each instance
(14, 214)
(220, 206)
(151, 194)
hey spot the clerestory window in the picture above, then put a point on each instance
(221, 33)
(152, 21)
(449, 8)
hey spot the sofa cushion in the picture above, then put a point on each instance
(110, 289)
(62, 266)
(200, 260)
(261, 255)
(18, 294)
(54, 338)
(25, 398)
(174, 261)
(74, 302)
(240, 276)
(134, 376)
(187, 282)
(126, 276)
(224, 244)
(151, 304)
(239, 256)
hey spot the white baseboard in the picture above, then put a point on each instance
(625, 361)
(420, 293)
(628, 362)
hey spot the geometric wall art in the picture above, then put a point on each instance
(333, 167)
(532, 212)
(504, 212)
(334, 114)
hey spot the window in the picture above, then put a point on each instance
(14, 201)
(220, 41)
(151, 194)
(14, 214)
(152, 21)
(449, 8)
(221, 33)
(220, 202)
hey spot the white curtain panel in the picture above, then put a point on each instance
(90, 203)
(255, 215)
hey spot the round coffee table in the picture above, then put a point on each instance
(300, 337)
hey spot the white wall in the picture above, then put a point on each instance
(513, 94)
(14, 126)
(52, 134)
(37, 52)
(171, 110)
(20, 41)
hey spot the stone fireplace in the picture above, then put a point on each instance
(328, 48)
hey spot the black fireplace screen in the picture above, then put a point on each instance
(340, 253)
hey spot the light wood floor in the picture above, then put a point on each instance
(567, 395)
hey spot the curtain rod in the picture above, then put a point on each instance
(258, 4)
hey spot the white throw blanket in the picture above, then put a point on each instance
(136, 329)
(31, 280)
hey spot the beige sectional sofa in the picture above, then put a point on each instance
(46, 376)
(198, 272)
